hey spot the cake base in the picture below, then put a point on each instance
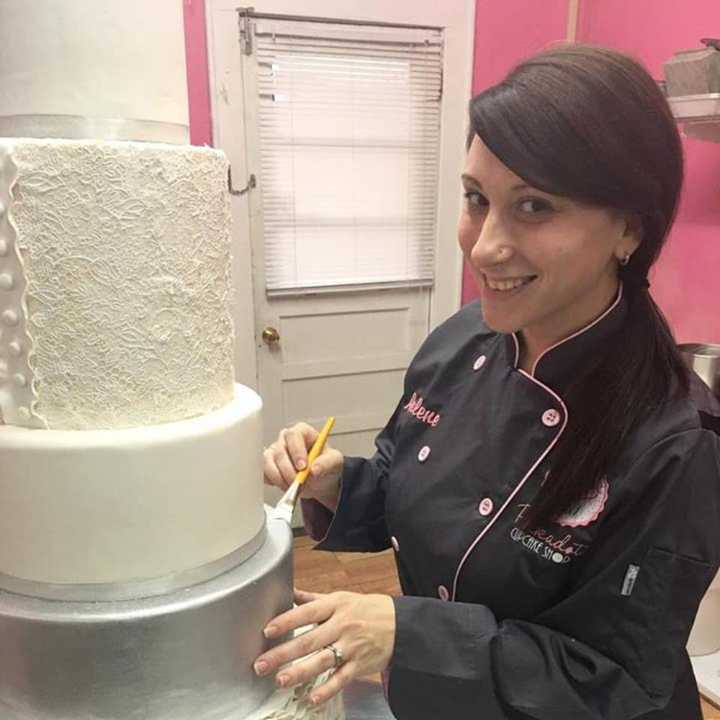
(183, 656)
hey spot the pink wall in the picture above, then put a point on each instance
(687, 277)
(505, 32)
(197, 72)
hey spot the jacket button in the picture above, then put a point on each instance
(479, 362)
(395, 544)
(486, 507)
(551, 418)
(424, 453)
(443, 593)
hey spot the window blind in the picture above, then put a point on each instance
(349, 133)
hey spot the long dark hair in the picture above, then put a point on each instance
(591, 124)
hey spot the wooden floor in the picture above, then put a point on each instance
(361, 572)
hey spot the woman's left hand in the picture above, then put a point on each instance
(361, 627)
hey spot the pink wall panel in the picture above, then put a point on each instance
(686, 280)
(505, 32)
(197, 72)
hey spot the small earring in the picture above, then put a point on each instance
(625, 259)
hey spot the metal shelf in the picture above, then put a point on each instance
(699, 114)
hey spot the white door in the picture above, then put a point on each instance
(338, 351)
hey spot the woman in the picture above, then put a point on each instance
(547, 481)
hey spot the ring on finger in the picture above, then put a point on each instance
(337, 655)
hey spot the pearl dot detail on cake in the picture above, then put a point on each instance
(15, 348)
(6, 281)
(20, 380)
(10, 317)
(3, 209)
(3, 246)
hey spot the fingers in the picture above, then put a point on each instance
(305, 644)
(340, 679)
(302, 597)
(288, 455)
(307, 614)
(328, 462)
(306, 670)
(298, 439)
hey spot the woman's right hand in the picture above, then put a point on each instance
(288, 455)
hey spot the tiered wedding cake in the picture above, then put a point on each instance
(137, 567)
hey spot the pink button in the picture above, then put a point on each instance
(551, 418)
(443, 593)
(424, 453)
(479, 362)
(395, 544)
(486, 506)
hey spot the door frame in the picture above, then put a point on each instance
(457, 18)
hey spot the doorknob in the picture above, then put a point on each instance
(270, 335)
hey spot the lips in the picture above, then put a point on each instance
(508, 285)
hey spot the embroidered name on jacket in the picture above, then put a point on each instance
(416, 408)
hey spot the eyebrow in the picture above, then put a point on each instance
(470, 180)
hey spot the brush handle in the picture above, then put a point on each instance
(317, 448)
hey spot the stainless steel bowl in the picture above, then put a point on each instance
(705, 361)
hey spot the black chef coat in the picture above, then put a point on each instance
(587, 617)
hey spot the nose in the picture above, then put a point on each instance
(492, 244)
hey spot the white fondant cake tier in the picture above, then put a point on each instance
(125, 250)
(120, 506)
(99, 59)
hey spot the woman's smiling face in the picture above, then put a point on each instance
(545, 265)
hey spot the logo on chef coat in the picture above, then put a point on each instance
(587, 511)
(563, 547)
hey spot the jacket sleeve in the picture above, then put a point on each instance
(358, 524)
(610, 649)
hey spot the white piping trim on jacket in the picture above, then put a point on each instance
(519, 485)
(579, 332)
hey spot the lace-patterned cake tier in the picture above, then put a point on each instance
(126, 252)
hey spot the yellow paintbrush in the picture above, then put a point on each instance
(286, 505)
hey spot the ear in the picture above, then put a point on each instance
(631, 237)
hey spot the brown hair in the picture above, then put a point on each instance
(591, 124)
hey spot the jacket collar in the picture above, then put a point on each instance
(555, 367)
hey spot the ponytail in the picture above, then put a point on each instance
(641, 371)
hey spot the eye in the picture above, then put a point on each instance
(475, 200)
(534, 206)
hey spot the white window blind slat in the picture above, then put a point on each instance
(349, 130)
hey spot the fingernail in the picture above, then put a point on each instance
(301, 464)
(282, 680)
(314, 699)
(261, 667)
(270, 631)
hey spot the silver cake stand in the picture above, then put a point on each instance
(185, 655)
